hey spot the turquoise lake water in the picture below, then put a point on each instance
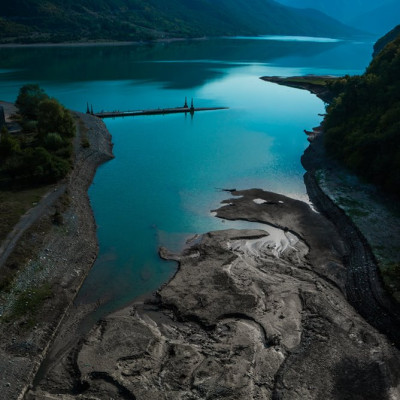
(169, 170)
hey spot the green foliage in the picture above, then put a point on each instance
(126, 20)
(44, 154)
(28, 125)
(9, 146)
(363, 122)
(383, 41)
(391, 278)
(53, 141)
(53, 117)
(28, 100)
(30, 301)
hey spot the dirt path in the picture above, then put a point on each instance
(32, 215)
(27, 220)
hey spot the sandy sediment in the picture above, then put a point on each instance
(63, 262)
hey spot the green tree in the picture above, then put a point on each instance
(8, 144)
(53, 141)
(53, 117)
(28, 100)
(362, 126)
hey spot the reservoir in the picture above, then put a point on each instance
(169, 171)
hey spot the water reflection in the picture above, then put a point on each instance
(142, 62)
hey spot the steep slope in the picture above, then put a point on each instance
(363, 125)
(60, 20)
(383, 41)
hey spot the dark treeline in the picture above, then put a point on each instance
(126, 20)
(42, 152)
(363, 123)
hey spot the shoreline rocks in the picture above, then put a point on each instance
(236, 321)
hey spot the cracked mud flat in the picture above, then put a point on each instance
(245, 317)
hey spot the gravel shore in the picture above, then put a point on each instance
(65, 257)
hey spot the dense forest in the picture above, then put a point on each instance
(126, 20)
(363, 122)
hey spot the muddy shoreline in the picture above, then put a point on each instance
(236, 321)
(364, 287)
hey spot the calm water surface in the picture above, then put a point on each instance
(168, 170)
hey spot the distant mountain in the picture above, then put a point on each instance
(62, 20)
(375, 16)
(343, 10)
(380, 19)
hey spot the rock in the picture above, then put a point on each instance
(239, 321)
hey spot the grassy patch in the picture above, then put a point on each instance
(83, 132)
(14, 204)
(391, 278)
(28, 304)
(320, 176)
(313, 80)
(355, 212)
(352, 207)
(30, 300)
(348, 203)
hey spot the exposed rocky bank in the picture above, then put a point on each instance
(65, 255)
(250, 315)
(245, 317)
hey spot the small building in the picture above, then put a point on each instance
(2, 118)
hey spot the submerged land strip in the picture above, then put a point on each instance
(157, 111)
(247, 315)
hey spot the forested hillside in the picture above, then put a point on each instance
(63, 20)
(363, 123)
(383, 41)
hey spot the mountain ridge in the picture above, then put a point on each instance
(130, 20)
(366, 15)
